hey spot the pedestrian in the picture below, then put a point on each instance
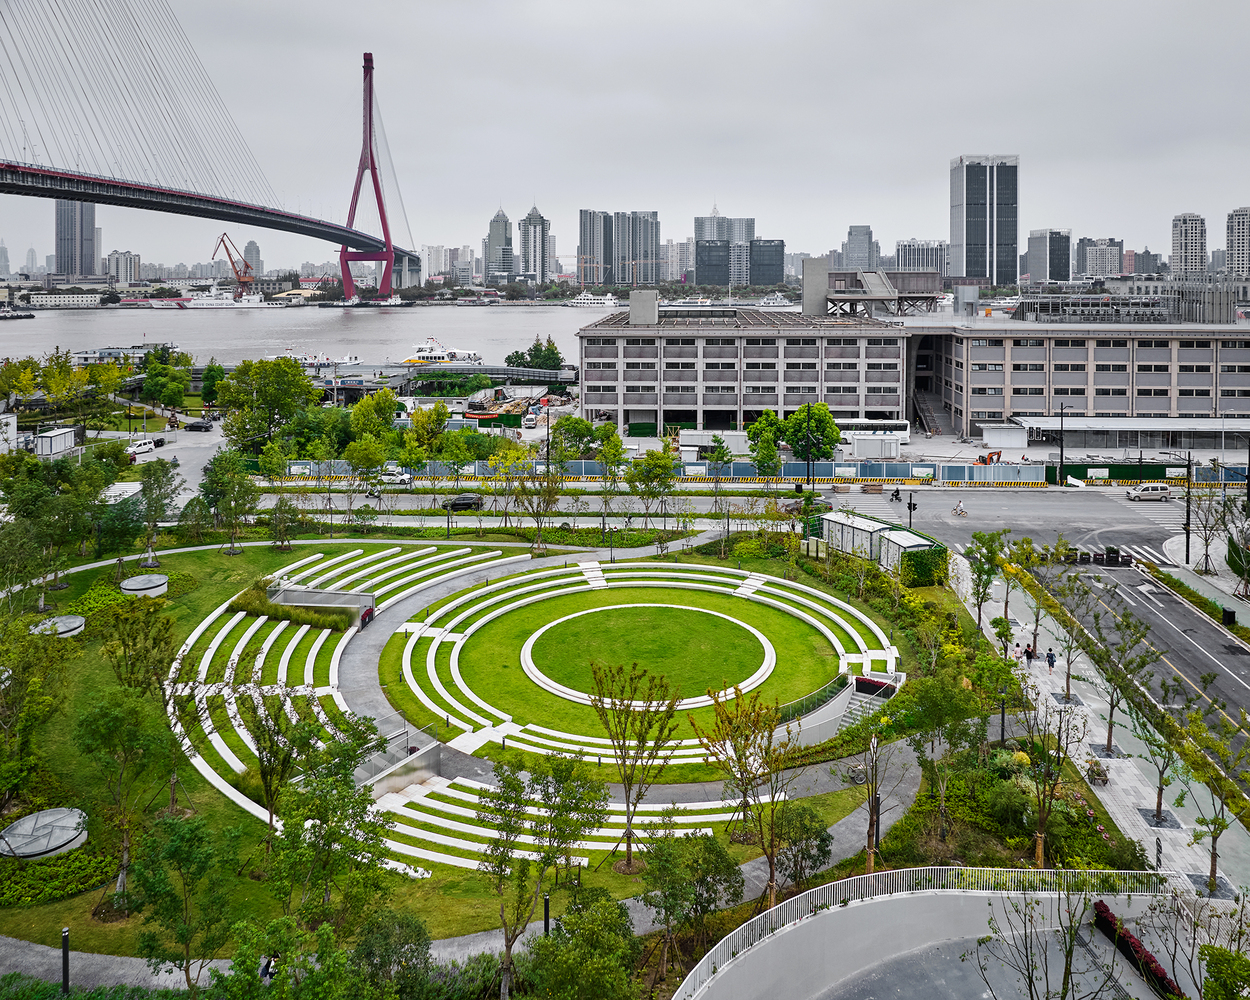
(1050, 659)
(1017, 654)
(1028, 655)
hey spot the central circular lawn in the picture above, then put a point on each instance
(694, 650)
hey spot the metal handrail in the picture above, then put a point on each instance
(810, 702)
(907, 880)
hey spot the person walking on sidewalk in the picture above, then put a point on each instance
(1018, 655)
(1050, 659)
(1028, 655)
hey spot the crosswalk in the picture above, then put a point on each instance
(1137, 550)
(1167, 514)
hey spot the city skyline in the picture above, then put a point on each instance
(809, 199)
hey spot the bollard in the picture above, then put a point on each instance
(65, 961)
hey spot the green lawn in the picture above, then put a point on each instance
(692, 649)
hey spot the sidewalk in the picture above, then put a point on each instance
(1132, 780)
(1219, 586)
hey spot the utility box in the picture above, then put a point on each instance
(54, 443)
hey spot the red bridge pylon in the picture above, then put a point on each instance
(369, 162)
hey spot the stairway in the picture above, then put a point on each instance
(859, 706)
(934, 418)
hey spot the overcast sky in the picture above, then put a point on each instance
(808, 116)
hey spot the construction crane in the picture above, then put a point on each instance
(244, 276)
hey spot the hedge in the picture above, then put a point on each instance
(1132, 949)
(254, 601)
(47, 879)
(925, 569)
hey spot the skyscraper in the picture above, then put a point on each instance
(594, 247)
(768, 262)
(636, 247)
(75, 238)
(499, 247)
(1238, 241)
(920, 255)
(251, 254)
(1050, 255)
(32, 261)
(1099, 257)
(4, 260)
(984, 215)
(123, 266)
(860, 252)
(534, 232)
(1189, 244)
(723, 227)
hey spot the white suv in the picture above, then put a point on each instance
(141, 448)
(399, 478)
(1149, 491)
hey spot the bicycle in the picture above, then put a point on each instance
(956, 512)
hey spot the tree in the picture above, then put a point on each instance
(283, 518)
(950, 722)
(323, 452)
(1051, 733)
(261, 396)
(1158, 725)
(984, 555)
(329, 861)
(575, 803)
(273, 461)
(638, 710)
(455, 454)
(766, 424)
(809, 844)
(734, 741)
(590, 953)
(718, 458)
(1210, 512)
(810, 431)
(281, 744)
(32, 666)
(236, 495)
(777, 752)
(1121, 654)
(546, 357)
(393, 953)
(364, 456)
(374, 414)
(572, 438)
(652, 478)
(142, 645)
(1036, 938)
(213, 374)
(883, 766)
(179, 885)
(1079, 600)
(160, 486)
(666, 876)
(195, 520)
(132, 750)
(537, 492)
(1211, 775)
(612, 459)
(506, 466)
(1044, 565)
(428, 424)
(764, 455)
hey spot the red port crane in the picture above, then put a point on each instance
(244, 276)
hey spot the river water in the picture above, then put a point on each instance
(376, 336)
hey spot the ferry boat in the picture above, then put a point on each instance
(690, 302)
(588, 301)
(434, 353)
(774, 300)
(316, 360)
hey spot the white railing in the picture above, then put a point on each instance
(905, 880)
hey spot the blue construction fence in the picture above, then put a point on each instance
(795, 471)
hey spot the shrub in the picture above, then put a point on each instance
(47, 879)
(1127, 944)
(1007, 804)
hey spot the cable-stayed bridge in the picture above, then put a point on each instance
(106, 101)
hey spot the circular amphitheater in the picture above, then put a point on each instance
(507, 659)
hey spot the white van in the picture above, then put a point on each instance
(141, 448)
(529, 421)
(1149, 491)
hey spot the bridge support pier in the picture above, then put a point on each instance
(368, 162)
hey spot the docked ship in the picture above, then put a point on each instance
(217, 298)
(316, 360)
(434, 353)
(774, 300)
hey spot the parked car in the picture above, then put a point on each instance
(159, 442)
(396, 478)
(1149, 491)
(198, 425)
(141, 448)
(464, 501)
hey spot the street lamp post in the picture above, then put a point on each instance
(612, 544)
(1002, 717)
(1189, 491)
(1059, 478)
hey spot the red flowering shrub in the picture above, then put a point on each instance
(1127, 944)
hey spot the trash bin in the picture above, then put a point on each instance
(1230, 617)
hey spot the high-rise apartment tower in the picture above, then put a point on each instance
(1189, 244)
(534, 233)
(76, 252)
(1238, 245)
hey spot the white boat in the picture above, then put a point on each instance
(434, 353)
(774, 300)
(588, 301)
(316, 360)
(218, 298)
(690, 302)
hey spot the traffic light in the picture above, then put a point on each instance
(911, 505)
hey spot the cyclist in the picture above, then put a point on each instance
(959, 509)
